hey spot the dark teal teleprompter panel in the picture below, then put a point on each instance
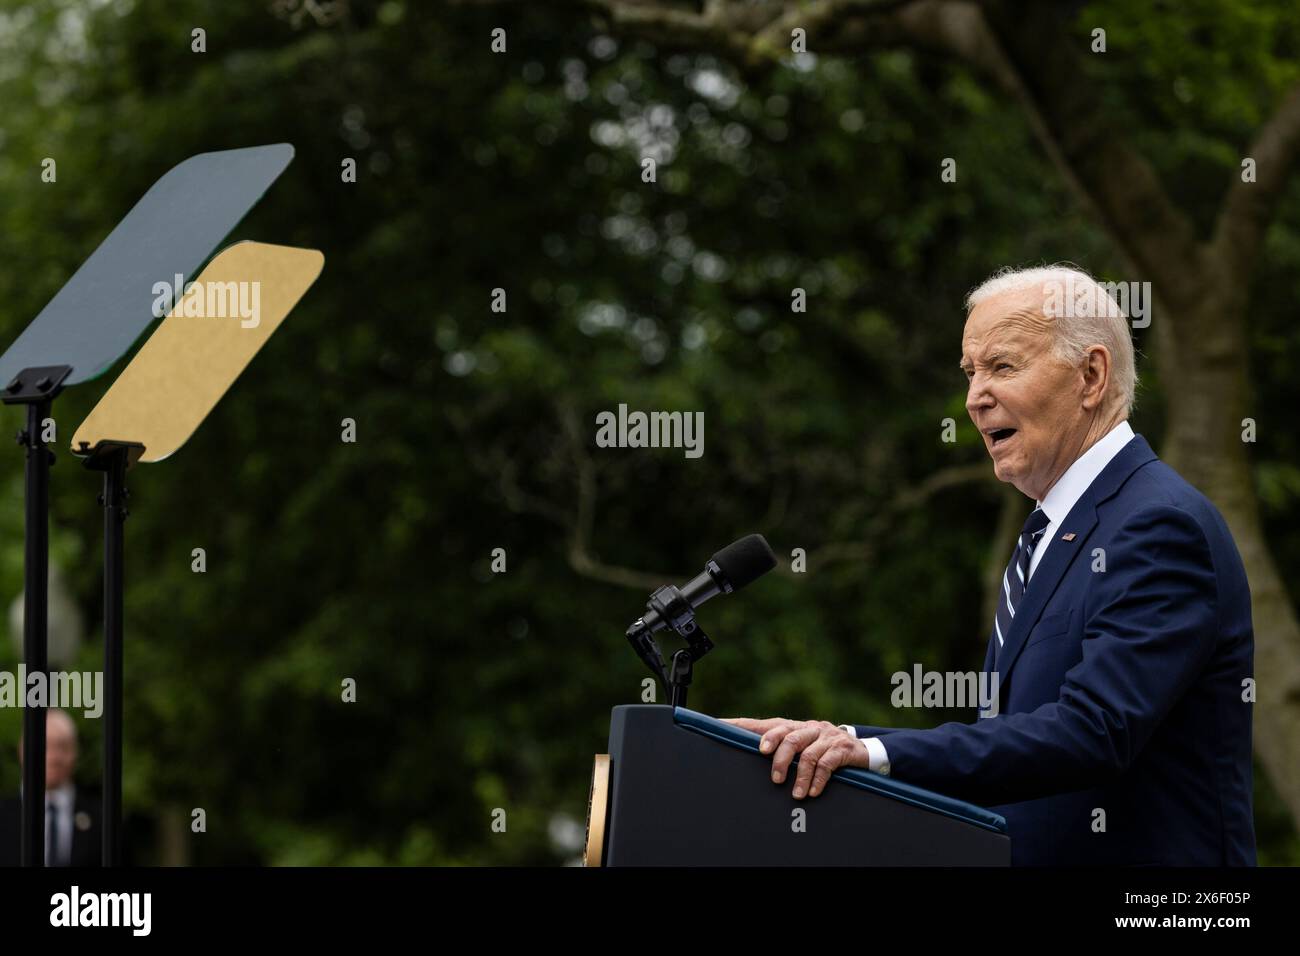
(173, 230)
(853, 776)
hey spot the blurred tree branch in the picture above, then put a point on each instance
(1249, 206)
(579, 521)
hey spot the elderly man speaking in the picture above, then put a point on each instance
(1122, 640)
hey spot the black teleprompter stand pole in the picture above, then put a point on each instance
(113, 459)
(35, 388)
(672, 607)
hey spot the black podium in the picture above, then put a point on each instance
(683, 789)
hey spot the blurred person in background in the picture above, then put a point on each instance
(72, 835)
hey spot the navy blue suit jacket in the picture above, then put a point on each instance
(1121, 690)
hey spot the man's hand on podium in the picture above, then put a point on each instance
(822, 747)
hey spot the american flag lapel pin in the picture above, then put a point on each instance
(1068, 537)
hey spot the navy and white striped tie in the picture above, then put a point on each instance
(1016, 576)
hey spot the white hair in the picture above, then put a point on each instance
(1086, 314)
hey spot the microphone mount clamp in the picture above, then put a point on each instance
(677, 613)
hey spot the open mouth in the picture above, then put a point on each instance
(999, 435)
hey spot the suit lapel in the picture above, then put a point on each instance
(1080, 523)
(1045, 579)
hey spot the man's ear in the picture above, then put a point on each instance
(1096, 376)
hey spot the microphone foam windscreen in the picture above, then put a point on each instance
(744, 560)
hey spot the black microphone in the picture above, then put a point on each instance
(729, 570)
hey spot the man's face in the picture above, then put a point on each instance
(1026, 402)
(60, 751)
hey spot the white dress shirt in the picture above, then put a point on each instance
(1060, 500)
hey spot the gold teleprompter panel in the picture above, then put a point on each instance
(199, 349)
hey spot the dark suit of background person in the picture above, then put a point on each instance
(1121, 690)
(79, 842)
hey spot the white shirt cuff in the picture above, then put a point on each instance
(877, 756)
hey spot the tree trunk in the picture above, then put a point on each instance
(1206, 381)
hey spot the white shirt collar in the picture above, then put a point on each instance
(1070, 487)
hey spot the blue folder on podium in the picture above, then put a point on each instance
(685, 789)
